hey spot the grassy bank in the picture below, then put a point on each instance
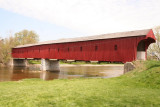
(34, 61)
(88, 62)
(139, 88)
(77, 62)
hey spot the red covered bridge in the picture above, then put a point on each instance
(115, 47)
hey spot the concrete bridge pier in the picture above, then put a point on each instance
(49, 65)
(19, 62)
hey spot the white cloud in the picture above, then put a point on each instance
(90, 16)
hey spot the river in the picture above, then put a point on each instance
(67, 71)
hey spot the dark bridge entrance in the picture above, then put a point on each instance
(141, 51)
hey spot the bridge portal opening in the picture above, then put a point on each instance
(141, 55)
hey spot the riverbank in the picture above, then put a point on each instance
(71, 65)
(77, 62)
(115, 65)
(137, 88)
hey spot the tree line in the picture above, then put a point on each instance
(20, 38)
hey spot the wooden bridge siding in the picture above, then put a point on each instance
(126, 50)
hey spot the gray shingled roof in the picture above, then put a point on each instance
(96, 37)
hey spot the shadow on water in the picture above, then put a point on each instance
(66, 72)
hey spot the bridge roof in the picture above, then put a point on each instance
(96, 37)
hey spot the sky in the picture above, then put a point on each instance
(57, 19)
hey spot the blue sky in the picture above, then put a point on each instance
(56, 19)
(12, 22)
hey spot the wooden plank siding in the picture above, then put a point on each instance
(113, 50)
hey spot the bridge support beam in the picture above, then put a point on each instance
(49, 65)
(19, 62)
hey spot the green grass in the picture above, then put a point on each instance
(139, 88)
(76, 63)
(34, 61)
(87, 62)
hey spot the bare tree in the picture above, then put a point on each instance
(154, 49)
(1, 40)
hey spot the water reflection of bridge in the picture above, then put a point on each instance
(66, 72)
(115, 47)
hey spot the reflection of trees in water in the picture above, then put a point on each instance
(18, 73)
(62, 74)
(49, 75)
(5, 73)
(34, 67)
(23, 73)
(33, 71)
(73, 71)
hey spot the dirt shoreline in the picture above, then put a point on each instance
(68, 65)
(91, 65)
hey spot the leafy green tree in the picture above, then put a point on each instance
(26, 37)
(21, 38)
(5, 53)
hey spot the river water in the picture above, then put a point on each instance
(66, 72)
